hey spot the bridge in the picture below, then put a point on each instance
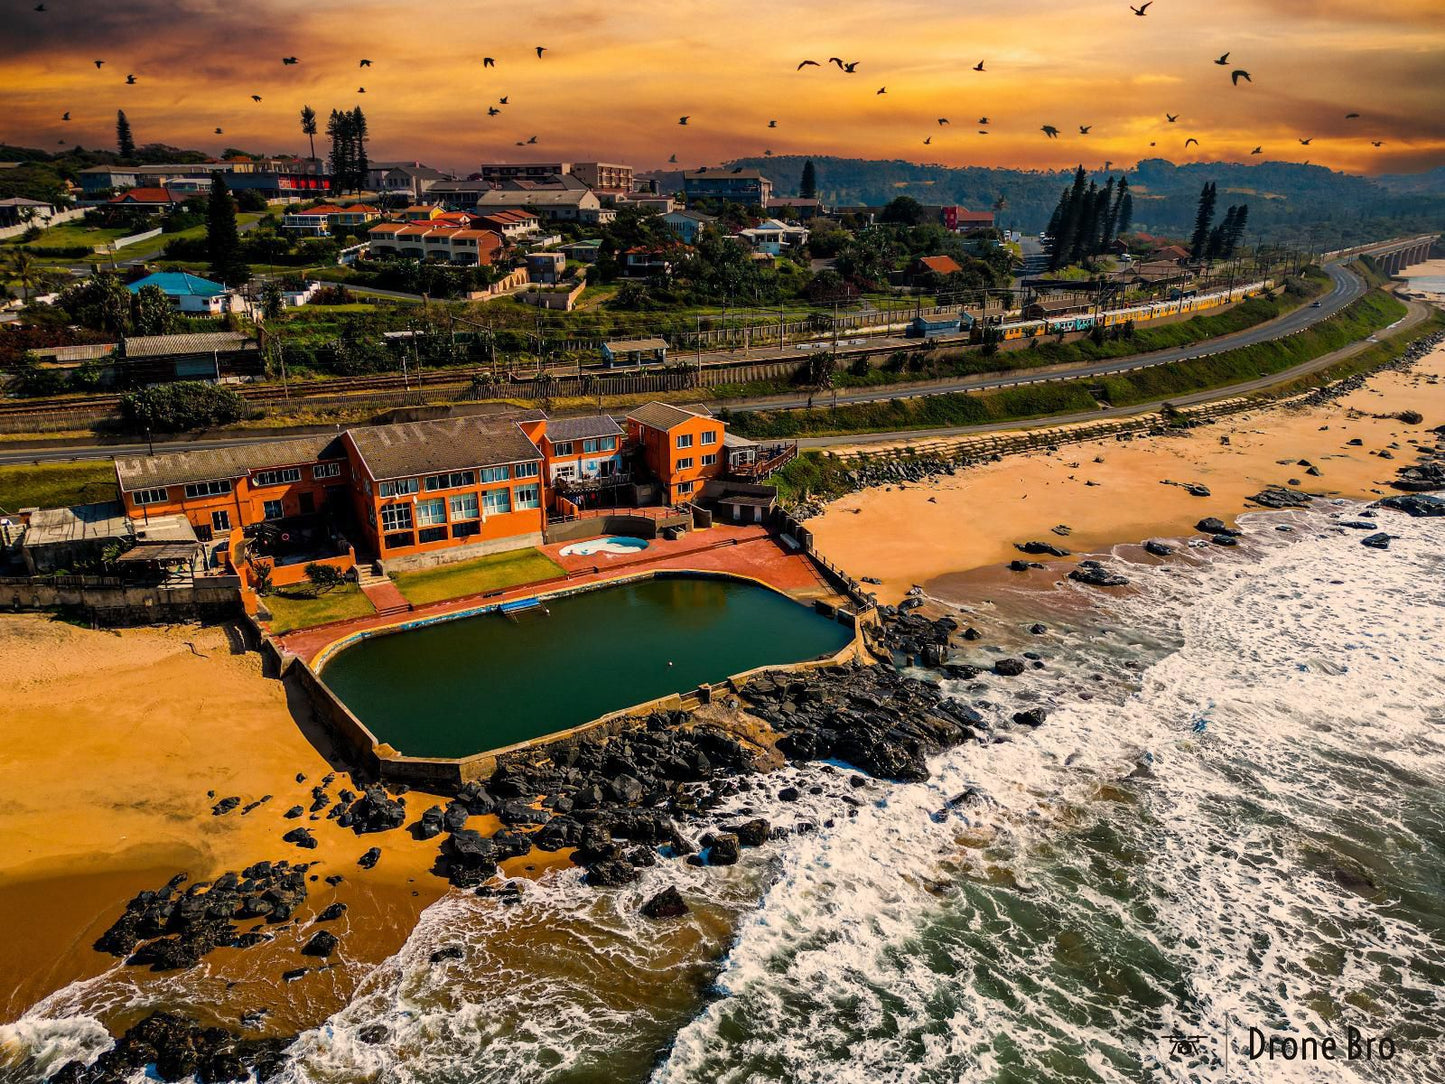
(1391, 256)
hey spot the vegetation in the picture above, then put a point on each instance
(490, 573)
(182, 406)
(223, 238)
(56, 485)
(299, 607)
(1372, 357)
(347, 131)
(1088, 219)
(324, 578)
(124, 141)
(811, 476)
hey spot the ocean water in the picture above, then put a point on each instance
(1231, 820)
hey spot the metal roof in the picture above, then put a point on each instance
(597, 425)
(208, 342)
(409, 449)
(632, 346)
(79, 523)
(160, 551)
(213, 464)
(663, 415)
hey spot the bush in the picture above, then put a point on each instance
(324, 577)
(174, 408)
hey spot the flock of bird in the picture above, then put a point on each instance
(846, 67)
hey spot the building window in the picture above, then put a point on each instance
(685, 463)
(396, 517)
(276, 477)
(454, 480)
(529, 497)
(221, 520)
(430, 513)
(397, 541)
(466, 530)
(528, 470)
(709, 459)
(684, 487)
(709, 437)
(399, 487)
(598, 444)
(496, 474)
(207, 489)
(326, 470)
(150, 496)
(431, 534)
(497, 501)
(684, 440)
(272, 510)
(465, 506)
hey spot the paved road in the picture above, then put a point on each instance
(1346, 287)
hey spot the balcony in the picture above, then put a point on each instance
(767, 459)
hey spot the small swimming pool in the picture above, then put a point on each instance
(617, 544)
(458, 687)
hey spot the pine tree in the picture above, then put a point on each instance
(1073, 213)
(223, 240)
(1085, 224)
(308, 127)
(1126, 211)
(1203, 220)
(808, 186)
(124, 141)
(1241, 221)
(1110, 216)
(359, 164)
(338, 130)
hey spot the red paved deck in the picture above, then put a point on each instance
(383, 595)
(743, 551)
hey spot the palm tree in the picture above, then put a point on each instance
(22, 268)
(1000, 205)
(308, 127)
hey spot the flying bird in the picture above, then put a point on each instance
(219, 132)
(288, 60)
(1050, 131)
(1142, 9)
(882, 90)
(130, 80)
(488, 62)
(493, 111)
(1257, 150)
(767, 154)
(255, 97)
(65, 115)
(503, 100)
(1352, 116)
(1084, 129)
(1223, 61)
(928, 142)
(683, 120)
(942, 121)
(532, 140)
(540, 50)
(772, 124)
(361, 90)
(978, 67)
(1377, 142)
(852, 66)
(1188, 141)
(1172, 118)
(364, 64)
(1306, 142)
(808, 64)
(673, 159)
(983, 120)
(1238, 74)
(836, 60)
(99, 63)
(983, 131)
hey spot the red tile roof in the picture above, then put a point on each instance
(942, 265)
(146, 195)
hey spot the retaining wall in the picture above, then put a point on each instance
(217, 599)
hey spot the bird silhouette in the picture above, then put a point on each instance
(289, 60)
(219, 132)
(942, 121)
(520, 143)
(983, 131)
(1050, 131)
(1188, 141)
(1223, 61)
(882, 90)
(808, 64)
(772, 124)
(1352, 116)
(1084, 129)
(1306, 142)
(493, 111)
(1239, 74)
(532, 140)
(928, 142)
(488, 62)
(1172, 118)
(503, 100)
(361, 90)
(65, 115)
(673, 159)
(836, 60)
(130, 80)
(1143, 9)
(540, 50)
(852, 66)
(99, 63)
(767, 154)
(1153, 144)
(1377, 142)
(255, 97)
(364, 64)
(983, 120)
(1257, 150)
(683, 120)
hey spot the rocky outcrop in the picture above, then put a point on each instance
(180, 1049)
(374, 811)
(666, 904)
(1281, 497)
(1096, 575)
(1040, 548)
(1416, 505)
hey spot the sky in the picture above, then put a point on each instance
(617, 74)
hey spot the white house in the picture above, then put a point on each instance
(774, 237)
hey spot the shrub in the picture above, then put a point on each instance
(174, 408)
(324, 577)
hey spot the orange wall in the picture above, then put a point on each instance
(244, 505)
(663, 456)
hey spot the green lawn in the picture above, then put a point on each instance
(53, 485)
(475, 577)
(69, 234)
(292, 608)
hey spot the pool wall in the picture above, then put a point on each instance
(383, 761)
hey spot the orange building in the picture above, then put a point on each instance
(682, 447)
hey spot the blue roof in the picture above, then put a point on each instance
(179, 284)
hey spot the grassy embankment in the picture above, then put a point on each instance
(1370, 313)
(476, 577)
(296, 608)
(51, 485)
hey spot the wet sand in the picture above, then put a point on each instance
(1109, 492)
(108, 748)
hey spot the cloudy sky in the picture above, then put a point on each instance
(617, 75)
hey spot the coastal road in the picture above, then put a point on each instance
(1346, 287)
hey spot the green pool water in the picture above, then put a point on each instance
(477, 683)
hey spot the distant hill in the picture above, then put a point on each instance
(1285, 198)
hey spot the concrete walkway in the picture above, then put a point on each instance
(385, 597)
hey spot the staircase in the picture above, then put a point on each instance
(381, 592)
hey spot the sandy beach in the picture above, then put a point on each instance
(1109, 492)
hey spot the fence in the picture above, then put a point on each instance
(135, 238)
(44, 223)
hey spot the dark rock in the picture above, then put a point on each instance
(302, 837)
(1009, 667)
(448, 952)
(172, 1047)
(1279, 497)
(610, 873)
(431, 823)
(376, 811)
(1037, 548)
(722, 849)
(788, 794)
(1224, 540)
(322, 943)
(1032, 717)
(1357, 524)
(666, 904)
(1096, 575)
(294, 812)
(1158, 549)
(1212, 525)
(972, 634)
(1410, 417)
(753, 833)
(1414, 504)
(370, 858)
(1379, 541)
(1038, 629)
(373, 1034)
(332, 913)
(224, 806)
